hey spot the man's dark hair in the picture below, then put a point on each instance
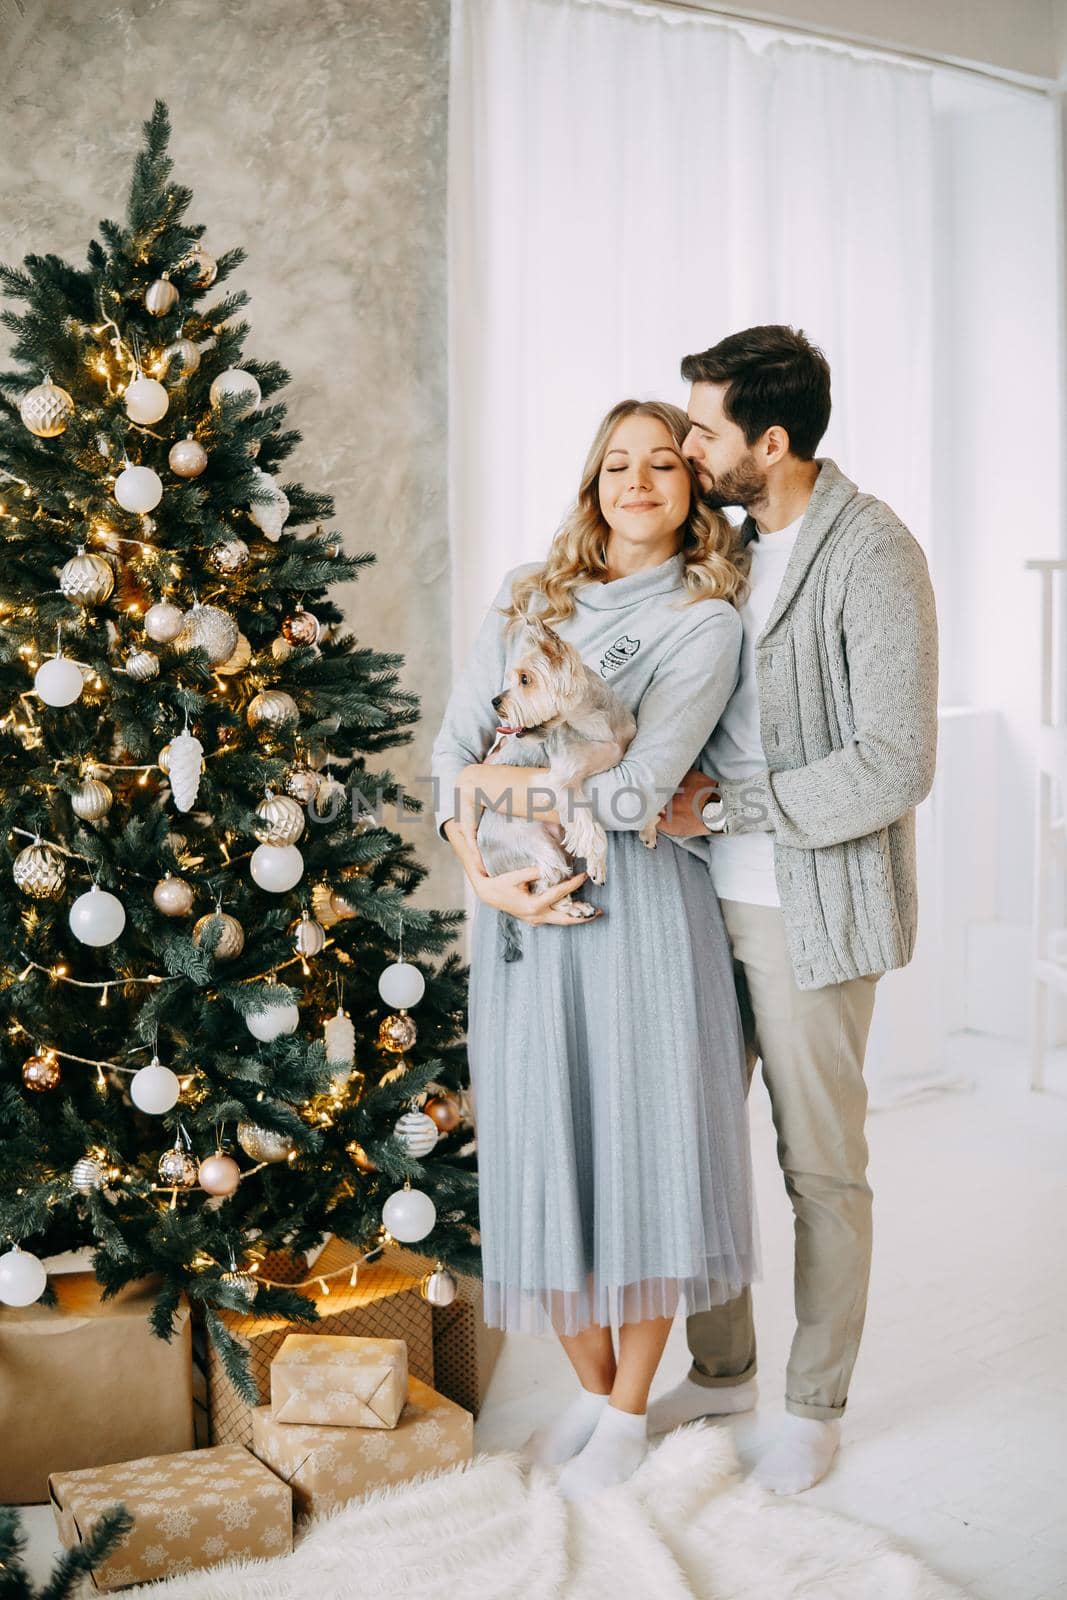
(774, 376)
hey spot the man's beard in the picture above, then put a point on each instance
(741, 486)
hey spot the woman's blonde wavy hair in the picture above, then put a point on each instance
(716, 564)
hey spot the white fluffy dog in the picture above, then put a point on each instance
(554, 712)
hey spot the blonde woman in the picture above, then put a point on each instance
(607, 1063)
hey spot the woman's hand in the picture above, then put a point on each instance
(509, 891)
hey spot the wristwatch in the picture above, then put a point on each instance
(713, 816)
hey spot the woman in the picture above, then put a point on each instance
(607, 1063)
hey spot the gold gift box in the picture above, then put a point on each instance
(339, 1381)
(85, 1382)
(325, 1467)
(383, 1304)
(196, 1509)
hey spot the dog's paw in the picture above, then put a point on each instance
(583, 836)
(578, 909)
(596, 865)
(648, 835)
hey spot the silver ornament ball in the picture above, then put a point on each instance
(439, 1287)
(40, 871)
(46, 410)
(86, 578)
(177, 1168)
(142, 666)
(87, 1175)
(263, 1144)
(280, 820)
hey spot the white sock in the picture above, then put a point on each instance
(689, 1400)
(616, 1448)
(559, 1439)
(800, 1456)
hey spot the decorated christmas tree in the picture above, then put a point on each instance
(208, 951)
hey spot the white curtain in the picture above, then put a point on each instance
(627, 185)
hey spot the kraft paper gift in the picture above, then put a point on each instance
(339, 1381)
(193, 1510)
(325, 1467)
(465, 1351)
(86, 1382)
(383, 1304)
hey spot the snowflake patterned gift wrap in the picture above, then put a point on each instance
(327, 1466)
(339, 1381)
(196, 1509)
(383, 1304)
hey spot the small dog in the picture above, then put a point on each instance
(555, 712)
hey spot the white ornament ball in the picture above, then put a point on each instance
(155, 1089)
(163, 622)
(236, 383)
(97, 917)
(401, 986)
(340, 1040)
(272, 708)
(58, 682)
(22, 1278)
(219, 1174)
(173, 896)
(160, 297)
(409, 1215)
(210, 629)
(276, 867)
(187, 458)
(146, 400)
(271, 1022)
(138, 489)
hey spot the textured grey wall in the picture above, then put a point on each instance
(313, 132)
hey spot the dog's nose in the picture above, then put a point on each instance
(497, 701)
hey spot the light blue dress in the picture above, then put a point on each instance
(607, 1063)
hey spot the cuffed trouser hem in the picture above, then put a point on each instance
(730, 1382)
(797, 1408)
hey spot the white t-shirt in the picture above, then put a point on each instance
(742, 864)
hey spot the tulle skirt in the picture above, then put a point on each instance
(609, 1093)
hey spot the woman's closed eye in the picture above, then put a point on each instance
(666, 466)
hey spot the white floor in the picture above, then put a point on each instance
(955, 1440)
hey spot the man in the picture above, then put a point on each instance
(807, 792)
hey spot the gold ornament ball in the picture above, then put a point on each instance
(206, 266)
(302, 628)
(91, 800)
(40, 871)
(302, 784)
(439, 1287)
(186, 354)
(309, 936)
(160, 297)
(280, 820)
(281, 649)
(229, 556)
(46, 410)
(142, 666)
(173, 896)
(397, 1032)
(240, 659)
(177, 1168)
(444, 1111)
(272, 708)
(86, 578)
(41, 1071)
(360, 1157)
(187, 458)
(231, 939)
(263, 1144)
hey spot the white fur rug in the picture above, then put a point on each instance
(684, 1526)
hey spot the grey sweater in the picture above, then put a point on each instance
(846, 669)
(674, 664)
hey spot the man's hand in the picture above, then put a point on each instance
(681, 817)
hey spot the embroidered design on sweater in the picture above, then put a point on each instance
(618, 654)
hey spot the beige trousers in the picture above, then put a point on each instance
(811, 1043)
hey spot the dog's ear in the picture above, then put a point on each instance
(547, 639)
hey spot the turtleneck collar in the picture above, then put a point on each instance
(637, 586)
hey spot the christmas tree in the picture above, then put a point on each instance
(208, 949)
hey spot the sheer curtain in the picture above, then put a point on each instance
(629, 184)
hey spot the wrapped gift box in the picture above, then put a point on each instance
(86, 1382)
(327, 1466)
(338, 1381)
(197, 1509)
(465, 1351)
(383, 1304)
